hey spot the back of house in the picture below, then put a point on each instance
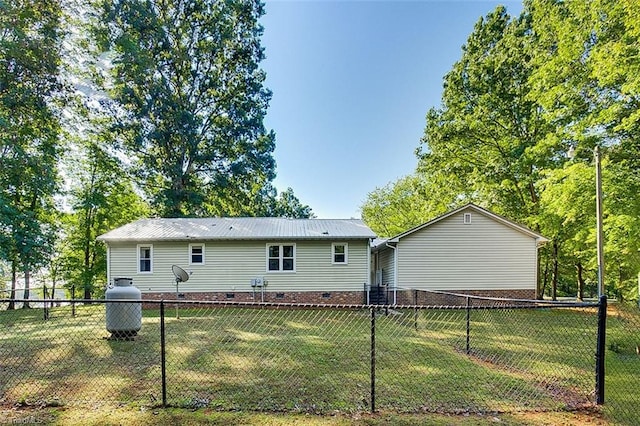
(244, 259)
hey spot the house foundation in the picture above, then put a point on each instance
(309, 297)
(402, 297)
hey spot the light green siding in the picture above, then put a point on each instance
(386, 263)
(230, 266)
(482, 255)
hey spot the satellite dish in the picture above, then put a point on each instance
(180, 274)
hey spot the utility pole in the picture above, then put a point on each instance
(599, 236)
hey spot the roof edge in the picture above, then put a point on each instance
(507, 222)
(205, 239)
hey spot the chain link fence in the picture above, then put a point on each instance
(37, 296)
(622, 374)
(482, 355)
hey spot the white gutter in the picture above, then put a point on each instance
(395, 271)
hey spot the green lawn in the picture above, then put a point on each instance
(318, 361)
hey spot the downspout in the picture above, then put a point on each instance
(395, 271)
(537, 273)
(368, 281)
(108, 264)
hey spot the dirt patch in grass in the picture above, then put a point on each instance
(110, 415)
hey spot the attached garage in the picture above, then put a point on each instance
(469, 250)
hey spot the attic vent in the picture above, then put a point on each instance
(467, 218)
(325, 232)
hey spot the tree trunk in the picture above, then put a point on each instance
(580, 281)
(545, 278)
(27, 284)
(53, 288)
(539, 287)
(86, 266)
(12, 295)
(554, 282)
(620, 281)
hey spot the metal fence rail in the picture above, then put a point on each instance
(477, 357)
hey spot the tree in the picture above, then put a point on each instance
(29, 59)
(527, 92)
(587, 67)
(102, 198)
(189, 99)
(586, 81)
(568, 219)
(403, 204)
(288, 205)
(489, 141)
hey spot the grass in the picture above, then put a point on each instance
(314, 362)
(108, 415)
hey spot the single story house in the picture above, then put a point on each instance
(469, 250)
(244, 259)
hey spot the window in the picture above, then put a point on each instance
(281, 257)
(467, 218)
(196, 254)
(339, 253)
(145, 259)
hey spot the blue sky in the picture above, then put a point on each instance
(352, 82)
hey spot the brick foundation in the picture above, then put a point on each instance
(403, 297)
(315, 297)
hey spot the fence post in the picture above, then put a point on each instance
(600, 349)
(373, 360)
(163, 357)
(468, 324)
(415, 309)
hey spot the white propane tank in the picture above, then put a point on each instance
(124, 320)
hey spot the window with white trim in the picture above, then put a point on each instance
(145, 259)
(196, 254)
(281, 257)
(339, 253)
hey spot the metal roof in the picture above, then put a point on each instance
(240, 228)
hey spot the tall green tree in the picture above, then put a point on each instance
(30, 40)
(586, 81)
(401, 205)
(259, 199)
(102, 198)
(286, 204)
(488, 140)
(189, 99)
(568, 218)
(521, 113)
